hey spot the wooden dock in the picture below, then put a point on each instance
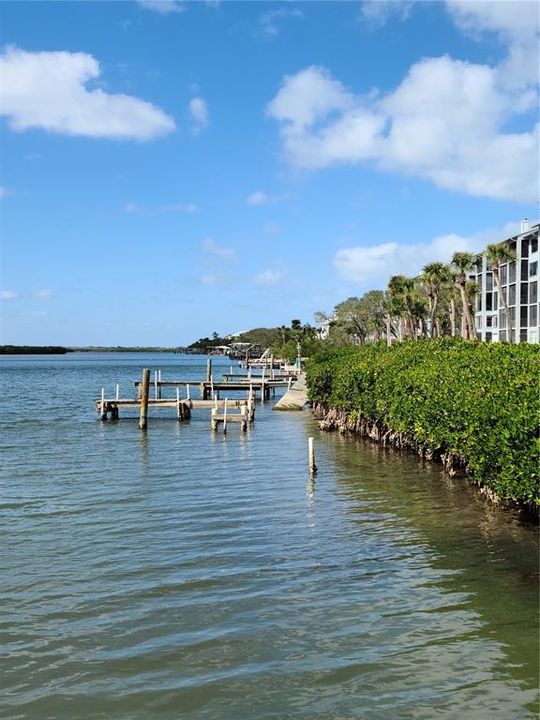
(241, 411)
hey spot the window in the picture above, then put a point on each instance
(534, 244)
(533, 316)
(524, 269)
(533, 269)
(479, 322)
(494, 320)
(522, 336)
(488, 337)
(495, 301)
(489, 320)
(523, 316)
(489, 281)
(503, 274)
(512, 272)
(502, 335)
(502, 319)
(524, 248)
(489, 301)
(533, 292)
(512, 294)
(524, 293)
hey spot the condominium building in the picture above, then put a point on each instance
(519, 282)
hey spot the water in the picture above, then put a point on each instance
(184, 574)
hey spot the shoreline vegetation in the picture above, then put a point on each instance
(34, 350)
(471, 406)
(61, 350)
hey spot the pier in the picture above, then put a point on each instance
(222, 410)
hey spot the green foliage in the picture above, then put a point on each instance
(474, 400)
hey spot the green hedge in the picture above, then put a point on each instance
(470, 399)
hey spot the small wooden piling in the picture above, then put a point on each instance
(145, 390)
(102, 408)
(208, 369)
(178, 408)
(225, 416)
(311, 457)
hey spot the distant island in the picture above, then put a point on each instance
(123, 348)
(33, 350)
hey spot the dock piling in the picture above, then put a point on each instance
(311, 455)
(145, 390)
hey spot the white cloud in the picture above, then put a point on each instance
(8, 295)
(258, 198)
(212, 247)
(376, 13)
(43, 294)
(269, 20)
(373, 265)
(208, 279)
(163, 7)
(517, 24)
(135, 209)
(198, 110)
(47, 90)
(268, 277)
(446, 122)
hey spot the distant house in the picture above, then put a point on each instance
(519, 281)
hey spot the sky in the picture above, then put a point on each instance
(172, 169)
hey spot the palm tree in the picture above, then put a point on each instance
(452, 297)
(434, 275)
(497, 255)
(472, 288)
(401, 290)
(464, 263)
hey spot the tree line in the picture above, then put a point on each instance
(437, 303)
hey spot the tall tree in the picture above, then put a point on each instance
(464, 262)
(434, 275)
(497, 255)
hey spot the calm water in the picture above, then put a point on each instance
(184, 574)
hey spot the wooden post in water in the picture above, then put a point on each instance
(145, 390)
(103, 411)
(311, 454)
(178, 410)
(208, 369)
(225, 416)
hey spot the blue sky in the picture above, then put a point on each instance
(173, 169)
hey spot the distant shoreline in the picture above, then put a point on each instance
(61, 350)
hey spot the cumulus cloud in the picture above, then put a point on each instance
(163, 7)
(48, 90)
(446, 121)
(376, 13)
(198, 110)
(268, 277)
(135, 209)
(270, 20)
(213, 248)
(8, 295)
(375, 264)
